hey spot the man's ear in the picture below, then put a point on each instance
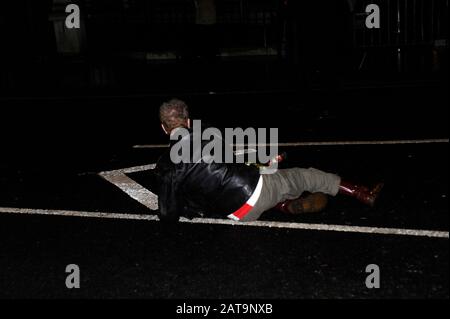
(164, 129)
(189, 123)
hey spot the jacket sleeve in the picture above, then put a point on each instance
(167, 199)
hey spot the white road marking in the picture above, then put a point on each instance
(246, 151)
(152, 146)
(129, 170)
(262, 224)
(132, 188)
(326, 143)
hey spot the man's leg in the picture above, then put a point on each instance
(316, 202)
(299, 180)
(289, 184)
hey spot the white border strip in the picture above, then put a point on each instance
(266, 224)
(329, 143)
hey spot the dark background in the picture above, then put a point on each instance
(74, 102)
(310, 68)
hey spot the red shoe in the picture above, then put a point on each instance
(363, 194)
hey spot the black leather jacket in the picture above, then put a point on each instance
(202, 189)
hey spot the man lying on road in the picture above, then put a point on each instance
(238, 191)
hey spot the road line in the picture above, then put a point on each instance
(132, 188)
(325, 143)
(261, 224)
(129, 170)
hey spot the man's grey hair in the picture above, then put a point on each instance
(173, 114)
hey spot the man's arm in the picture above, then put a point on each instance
(167, 201)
